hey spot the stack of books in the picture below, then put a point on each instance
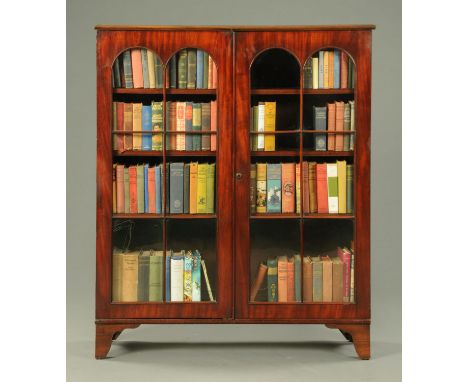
(141, 276)
(192, 69)
(327, 187)
(137, 68)
(191, 117)
(336, 116)
(190, 188)
(329, 69)
(263, 118)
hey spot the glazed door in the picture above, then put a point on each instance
(302, 112)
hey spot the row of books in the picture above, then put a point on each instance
(263, 118)
(327, 188)
(192, 69)
(326, 278)
(137, 68)
(329, 69)
(335, 116)
(180, 117)
(190, 188)
(140, 276)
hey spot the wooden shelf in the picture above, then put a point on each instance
(190, 216)
(276, 132)
(161, 216)
(279, 153)
(328, 91)
(176, 153)
(137, 216)
(137, 91)
(275, 216)
(328, 216)
(328, 132)
(313, 153)
(277, 91)
(296, 153)
(169, 153)
(143, 91)
(191, 91)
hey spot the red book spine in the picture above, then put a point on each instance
(346, 259)
(291, 291)
(305, 188)
(344, 70)
(120, 189)
(151, 191)
(137, 68)
(120, 126)
(213, 123)
(132, 176)
(322, 190)
(215, 76)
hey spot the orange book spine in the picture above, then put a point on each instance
(215, 76)
(282, 279)
(339, 126)
(132, 176)
(120, 189)
(331, 116)
(210, 72)
(291, 294)
(137, 69)
(151, 191)
(344, 70)
(288, 174)
(331, 58)
(213, 123)
(322, 190)
(180, 126)
(305, 188)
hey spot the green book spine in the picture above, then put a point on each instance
(349, 189)
(317, 275)
(140, 189)
(308, 74)
(186, 187)
(156, 277)
(182, 69)
(206, 126)
(297, 278)
(157, 122)
(196, 276)
(167, 123)
(201, 188)
(272, 279)
(196, 126)
(253, 188)
(167, 187)
(192, 68)
(143, 277)
(205, 70)
(158, 72)
(126, 190)
(332, 182)
(274, 187)
(176, 188)
(210, 188)
(346, 126)
(173, 72)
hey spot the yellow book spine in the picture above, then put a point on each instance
(201, 188)
(331, 58)
(315, 72)
(270, 125)
(325, 70)
(193, 187)
(152, 80)
(341, 165)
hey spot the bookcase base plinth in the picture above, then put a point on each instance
(105, 334)
(359, 335)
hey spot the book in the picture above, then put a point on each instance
(254, 128)
(127, 69)
(261, 126)
(305, 187)
(201, 188)
(288, 174)
(307, 265)
(320, 71)
(167, 190)
(140, 188)
(188, 276)
(137, 70)
(273, 187)
(350, 74)
(193, 187)
(290, 280)
(336, 68)
(215, 76)
(117, 261)
(171, 125)
(143, 276)
(270, 125)
(114, 125)
(325, 69)
(126, 191)
(136, 124)
(207, 281)
(205, 126)
(177, 277)
(158, 69)
(315, 72)
(157, 125)
(349, 189)
(196, 125)
(352, 125)
(120, 126)
(322, 188)
(327, 269)
(331, 69)
(146, 125)
(151, 70)
(210, 188)
(331, 110)
(186, 192)
(199, 66)
(145, 182)
(298, 188)
(180, 126)
(173, 72)
(188, 125)
(272, 279)
(258, 281)
(129, 287)
(345, 255)
(167, 261)
(308, 73)
(320, 123)
(191, 68)
(120, 189)
(182, 69)
(341, 169)
(151, 185)
(337, 277)
(317, 275)
(351, 287)
(210, 72)
(133, 192)
(253, 188)
(332, 187)
(205, 70)
(176, 188)
(128, 126)
(346, 126)
(297, 277)
(196, 276)
(155, 282)
(114, 188)
(282, 278)
(213, 123)
(312, 175)
(116, 83)
(261, 188)
(344, 70)
(144, 64)
(339, 126)
(158, 188)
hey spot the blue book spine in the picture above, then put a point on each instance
(127, 68)
(188, 125)
(144, 64)
(146, 125)
(199, 69)
(157, 179)
(273, 187)
(196, 276)
(320, 76)
(336, 69)
(168, 276)
(145, 176)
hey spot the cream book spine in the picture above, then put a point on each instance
(177, 278)
(315, 72)
(261, 127)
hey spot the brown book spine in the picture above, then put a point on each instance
(344, 70)
(120, 190)
(331, 58)
(305, 187)
(331, 123)
(288, 174)
(339, 126)
(173, 125)
(307, 282)
(312, 187)
(128, 126)
(114, 188)
(337, 276)
(291, 291)
(282, 279)
(258, 281)
(129, 291)
(327, 287)
(213, 123)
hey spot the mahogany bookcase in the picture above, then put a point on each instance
(253, 64)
